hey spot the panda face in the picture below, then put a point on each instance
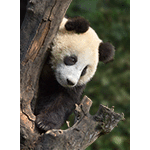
(70, 72)
(74, 56)
(76, 52)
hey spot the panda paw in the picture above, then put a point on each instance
(43, 123)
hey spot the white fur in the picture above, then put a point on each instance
(84, 46)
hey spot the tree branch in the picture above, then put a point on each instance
(84, 132)
(38, 29)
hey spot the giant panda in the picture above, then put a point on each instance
(72, 62)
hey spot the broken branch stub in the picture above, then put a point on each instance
(85, 131)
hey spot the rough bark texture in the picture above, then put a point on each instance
(38, 29)
(84, 132)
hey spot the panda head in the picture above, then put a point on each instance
(76, 52)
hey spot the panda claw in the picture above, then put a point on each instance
(40, 126)
(39, 122)
(46, 122)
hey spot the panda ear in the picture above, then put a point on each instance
(78, 24)
(106, 52)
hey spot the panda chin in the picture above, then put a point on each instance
(64, 84)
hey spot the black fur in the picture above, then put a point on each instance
(78, 24)
(70, 60)
(55, 103)
(106, 52)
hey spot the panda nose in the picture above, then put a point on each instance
(70, 82)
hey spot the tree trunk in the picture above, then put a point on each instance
(38, 30)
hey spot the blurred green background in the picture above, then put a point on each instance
(111, 83)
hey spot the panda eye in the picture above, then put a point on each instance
(84, 71)
(70, 60)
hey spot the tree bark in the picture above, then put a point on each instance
(38, 30)
(84, 132)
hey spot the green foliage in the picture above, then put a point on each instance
(111, 84)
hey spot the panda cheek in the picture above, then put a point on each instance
(59, 76)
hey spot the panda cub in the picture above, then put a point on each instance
(72, 62)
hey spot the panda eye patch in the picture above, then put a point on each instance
(84, 71)
(70, 60)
